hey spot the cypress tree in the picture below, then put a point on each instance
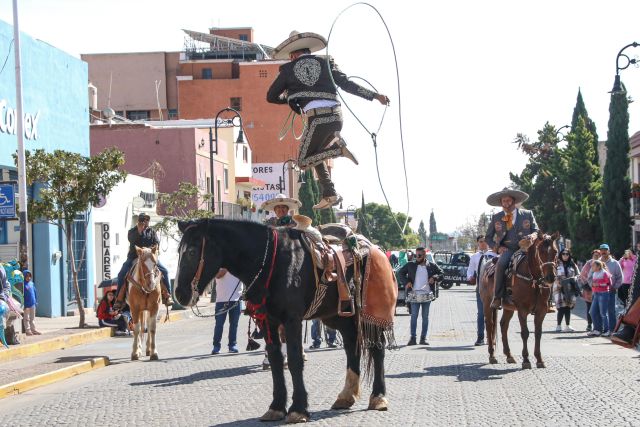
(615, 209)
(363, 227)
(307, 197)
(582, 190)
(422, 233)
(433, 228)
(580, 110)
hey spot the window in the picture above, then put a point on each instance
(119, 113)
(138, 115)
(262, 73)
(173, 113)
(244, 37)
(245, 154)
(207, 74)
(236, 103)
(226, 180)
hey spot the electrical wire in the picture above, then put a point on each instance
(373, 135)
(7, 57)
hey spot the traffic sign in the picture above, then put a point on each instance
(7, 199)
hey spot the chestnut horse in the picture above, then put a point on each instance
(143, 296)
(281, 289)
(530, 286)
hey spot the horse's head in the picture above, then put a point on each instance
(193, 273)
(547, 252)
(148, 274)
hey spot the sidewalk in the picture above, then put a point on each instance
(28, 365)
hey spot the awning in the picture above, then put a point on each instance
(248, 181)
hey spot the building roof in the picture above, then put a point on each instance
(223, 47)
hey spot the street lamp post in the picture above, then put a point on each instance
(617, 85)
(561, 136)
(240, 140)
(282, 179)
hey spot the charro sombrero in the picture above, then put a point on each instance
(518, 196)
(281, 199)
(296, 41)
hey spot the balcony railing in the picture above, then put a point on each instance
(228, 210)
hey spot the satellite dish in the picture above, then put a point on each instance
(108, 112)
(138, 202)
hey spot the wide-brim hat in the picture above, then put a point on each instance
(296, 41)
(303, 222)
(518, 196)
(281, 199)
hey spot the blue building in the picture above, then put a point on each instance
(56, 116)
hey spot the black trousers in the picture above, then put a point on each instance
(566, 313)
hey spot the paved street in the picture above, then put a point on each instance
(587, 381)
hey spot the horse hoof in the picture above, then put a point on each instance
(540, 365)
(148, 353)
(510, 359)
(341, 403)
(526, 365)
(378, 403)
(272, 415)
(296, 417)
(493, 360)
(135, 357)
(154, 356)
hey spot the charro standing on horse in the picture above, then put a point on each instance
(141, 236)
(307, 85)
(505, 231)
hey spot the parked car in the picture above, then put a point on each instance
(454, 266)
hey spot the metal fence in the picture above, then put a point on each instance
(228, 210)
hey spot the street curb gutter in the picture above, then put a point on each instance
(23, 386)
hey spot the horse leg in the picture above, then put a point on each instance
(152, 321)
(136, 315)
(490, 320)
(378, 401)
(146, 327)
(524, 333)
(278, 407)
(351, 390)
(298, 409)
(504, 328)
(537, 321)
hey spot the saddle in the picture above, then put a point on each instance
(514, 263)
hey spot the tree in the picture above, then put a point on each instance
(307, 197)
(614, 212)
(583, 188)
(69, 185)
(328, 216)
(433, 228)
(422, 234)
(179, 206)
(361, 214)
(383, 228)
(542, 178)
(580, 110)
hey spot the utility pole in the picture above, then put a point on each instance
(22, 172)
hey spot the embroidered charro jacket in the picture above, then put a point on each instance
(285, 221)
(498, 235)
(307, 78)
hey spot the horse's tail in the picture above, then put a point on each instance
(373, 337)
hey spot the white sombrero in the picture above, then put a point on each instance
(296, 41)
(518, 196)
(281, 199)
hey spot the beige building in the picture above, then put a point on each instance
(634, 175)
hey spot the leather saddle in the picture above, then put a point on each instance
(514, 263)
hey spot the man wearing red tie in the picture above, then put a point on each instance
(506, 229)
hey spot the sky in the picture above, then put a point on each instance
(472, 75)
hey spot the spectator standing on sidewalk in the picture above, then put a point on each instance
(627, 262)
(473, 276)
(228, 291)
(585, 281)
(110, 318)
(420, 278)
(316, 335)
(613, 267)
(30, 302)
(565, 289)
(601, 284)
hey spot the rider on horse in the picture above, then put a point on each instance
(506, 229)
(307, 84)
(142, 236)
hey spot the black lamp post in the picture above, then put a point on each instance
(240, 140)
(617, 85)
(561, 136)
(282, 179)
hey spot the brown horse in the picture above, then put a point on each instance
(531, 286)
(143, 295)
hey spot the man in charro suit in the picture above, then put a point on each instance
(506, 229)
(308, 85)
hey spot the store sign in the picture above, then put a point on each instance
(106, 252)
(7, 199)
(271, 174)
(9, 121)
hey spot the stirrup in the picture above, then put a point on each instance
(351, 307)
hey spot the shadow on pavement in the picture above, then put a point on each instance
(326, 414)
(463, 372)
(75, 359)
(200, 376)
(451, 348)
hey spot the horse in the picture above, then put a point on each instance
(143, 295)
(281, 285)
(531, 285)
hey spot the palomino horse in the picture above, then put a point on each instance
(530, 285)
(143, 295)
(281, 287)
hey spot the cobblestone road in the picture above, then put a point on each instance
(587, 381)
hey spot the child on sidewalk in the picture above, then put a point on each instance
(30, 302)
(110, 318)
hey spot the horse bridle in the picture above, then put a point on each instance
(142, 287)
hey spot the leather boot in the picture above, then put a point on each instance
(166, 297)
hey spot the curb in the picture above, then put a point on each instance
(22, 386)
